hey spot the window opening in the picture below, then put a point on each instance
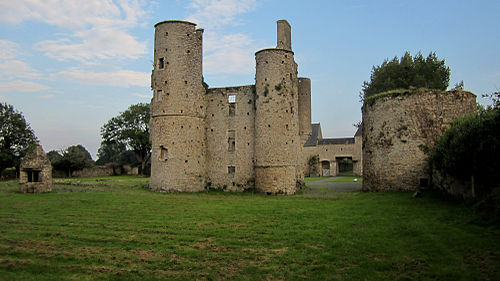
(232, 109)
(231, 141)
(33, 176)
(163, 153)
(161, 63)
(231, 98)
(231, 169)
(159, 95)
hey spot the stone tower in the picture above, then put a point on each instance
(177, 109)
(305, 129)
(276, 117)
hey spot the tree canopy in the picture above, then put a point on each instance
(129, 129)
(406, 73)
(16, 136)
(73, 158)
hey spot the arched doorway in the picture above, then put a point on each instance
(325, 168)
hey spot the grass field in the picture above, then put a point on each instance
(308, 179)
(115, 228)
(346, 179)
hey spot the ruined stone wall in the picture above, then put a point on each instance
(400, 130)
(230, 121)
(178, 109)
(284, 35)
(37, 162)
(97, 171)
(277, 143)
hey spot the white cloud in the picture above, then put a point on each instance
(95, 43)
(225, 53)
(49, 96)
(21, 86)
(75, 15)
(18, 69)
(214, 13)
(142, 96)
(99, 29)
(95, 106)
(232, 56)
(8, 49)
(122, 78)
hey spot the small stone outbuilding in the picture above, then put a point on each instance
(35, 172)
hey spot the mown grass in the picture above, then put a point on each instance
(346, 179)
(124, 231)
(308, 179)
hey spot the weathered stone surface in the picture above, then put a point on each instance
(400, 131)
(35, 172)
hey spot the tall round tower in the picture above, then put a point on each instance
(304, 109)
(177, 109)
(276, 121)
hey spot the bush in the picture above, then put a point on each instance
(470, 151)
(406, 73)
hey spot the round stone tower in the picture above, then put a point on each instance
(276, 121)
(304, 109)
(400, 131)
(177, 109)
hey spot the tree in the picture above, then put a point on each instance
(16, 137)
(109, 152)
(406, 73)
(130, 129)
(470, 148)
(71, 159)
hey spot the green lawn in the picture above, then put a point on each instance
(308, 179)
(117, 229)
(346, 179)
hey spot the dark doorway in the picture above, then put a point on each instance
(345, 166)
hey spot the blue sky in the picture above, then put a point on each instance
(70, 66)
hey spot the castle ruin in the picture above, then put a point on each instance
(400, 131)
(255, 136)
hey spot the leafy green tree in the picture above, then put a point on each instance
(109, 152)
(54, 156)
(406, 73)
(470, 148)
(16, 137)
(131, 129)
(73, 158)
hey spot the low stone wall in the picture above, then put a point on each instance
(399, 132)
(96, 171)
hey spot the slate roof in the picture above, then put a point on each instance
(313, 139)
(359, 132)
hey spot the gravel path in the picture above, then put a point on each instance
(326, 186)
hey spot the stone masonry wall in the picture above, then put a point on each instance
(35, 162)
(399, 131)
(178, 109)
(226, 125)
(304, 108)
(277, 143)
